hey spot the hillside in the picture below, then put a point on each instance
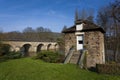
(29, 36)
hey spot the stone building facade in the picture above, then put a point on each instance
(85, 35)
(70, 41)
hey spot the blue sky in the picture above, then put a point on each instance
(15, 15)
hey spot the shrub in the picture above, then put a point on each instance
(13, 55)
(109, 69)
(50, 56)
(4, 49)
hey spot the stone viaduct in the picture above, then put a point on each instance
(31, 48)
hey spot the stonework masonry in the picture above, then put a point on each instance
(92, 41)
(31, 47)
(70, 41)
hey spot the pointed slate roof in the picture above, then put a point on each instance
(88, 26)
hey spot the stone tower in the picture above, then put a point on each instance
(86, 35)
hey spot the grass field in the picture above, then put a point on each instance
(29, 69)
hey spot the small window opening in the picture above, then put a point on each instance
(80, 42)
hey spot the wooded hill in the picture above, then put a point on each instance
(30, 36)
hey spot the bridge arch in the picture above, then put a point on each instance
(39, 47)
(10, 47)
(25, 49)
(30, 48)
(56, 47)
(49, 47)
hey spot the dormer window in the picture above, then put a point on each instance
(79, 27)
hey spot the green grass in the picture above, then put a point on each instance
(29, 69)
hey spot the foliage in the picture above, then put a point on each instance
(61, 44)
(29, 69)
(28, 29)
(85, 15)
(30, 35)
(6, 53)
(109, 69)
(109, 18)
(64, 28)
(50, 56)
(4, 49)
(41, 29)
(13, 55)
(10, 55)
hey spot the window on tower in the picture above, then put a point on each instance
(80, 42)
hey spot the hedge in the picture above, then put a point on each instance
(113, 69)
(4, 49)
(50, 56)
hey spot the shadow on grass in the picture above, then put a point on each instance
(3, 60)
(93, 69)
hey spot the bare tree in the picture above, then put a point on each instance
(28, 29)
(115, 14)
(65, 27)
(85, 15)
(108, 17)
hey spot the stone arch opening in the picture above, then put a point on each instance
(39, 47)
(10, 47)
(25, 49)
(56, 47)
(49, 47)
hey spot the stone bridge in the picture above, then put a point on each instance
(30, 48)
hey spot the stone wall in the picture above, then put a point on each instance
(70, 40)
(94, 43)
